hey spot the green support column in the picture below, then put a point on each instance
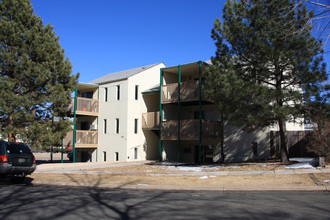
(62, 151)
(51, 154)
(160, 116)
(222, 139)
(200, 111)
(179, 116)
(74, 127)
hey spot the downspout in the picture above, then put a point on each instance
(74, 127)
(97, 123)
(160, 116)
(179, 116)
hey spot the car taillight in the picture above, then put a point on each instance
(34, 160)
(3, 159)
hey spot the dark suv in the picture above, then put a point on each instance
(16, 161)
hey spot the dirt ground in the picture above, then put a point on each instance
(245, 180)
(169, 168)
(167, 174)
(181, 175)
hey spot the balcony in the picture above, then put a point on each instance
(150, 120)
(85, 106)
(84, 139)
(189, 92)
(189, 130)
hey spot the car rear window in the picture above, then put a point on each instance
(13, 148)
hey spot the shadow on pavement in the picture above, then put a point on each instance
(49, 202)
(49, 161)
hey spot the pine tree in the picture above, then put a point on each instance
(35, 76)
(266, 65)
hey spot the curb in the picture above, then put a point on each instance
(189, 188)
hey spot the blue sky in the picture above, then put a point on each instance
(106, 36)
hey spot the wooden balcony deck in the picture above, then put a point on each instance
(84, 139)
(189, 130)
(85, 106)
(189, 92)
(150, 120)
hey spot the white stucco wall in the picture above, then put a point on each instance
(145, 80)
(113, 142)
(126, 109)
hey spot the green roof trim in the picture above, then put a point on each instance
(187, 64)
(88, 84)
(154, 89)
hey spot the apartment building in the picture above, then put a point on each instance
(109, 116)
(189, 127)
(160, 113)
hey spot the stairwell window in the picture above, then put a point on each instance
(136, 126)
(105, 126)
(104, 156)
(136, 92)
(105, 94)
(117, 126)
(135, 153)
(118, 92)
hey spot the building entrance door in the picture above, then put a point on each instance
(206, 153)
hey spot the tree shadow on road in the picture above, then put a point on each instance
(93, 201)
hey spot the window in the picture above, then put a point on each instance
(136, 92)
(104, 156)
(116, 156)
(135, 126)
(105, 126)
(117, 125)
(105, 94)
(135, 153)
(118, 92)
(87, 95)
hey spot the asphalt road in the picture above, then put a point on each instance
(49, 202)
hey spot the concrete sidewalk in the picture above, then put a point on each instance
(86, 169)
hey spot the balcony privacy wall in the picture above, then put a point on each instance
(150, 120)
(85, 106)
(189, 92)
(190, 130)
(84, 139)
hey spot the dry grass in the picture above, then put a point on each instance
(256, 180)
(324, 178)
(179, 175)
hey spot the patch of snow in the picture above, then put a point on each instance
(327, 181)
(183, 168)
(170, 163)
(212, 176)
(203, 177)
(310, 160)
(233, 166)
(303, 163)
(209, 167)
(141, 184)
(299, 166)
